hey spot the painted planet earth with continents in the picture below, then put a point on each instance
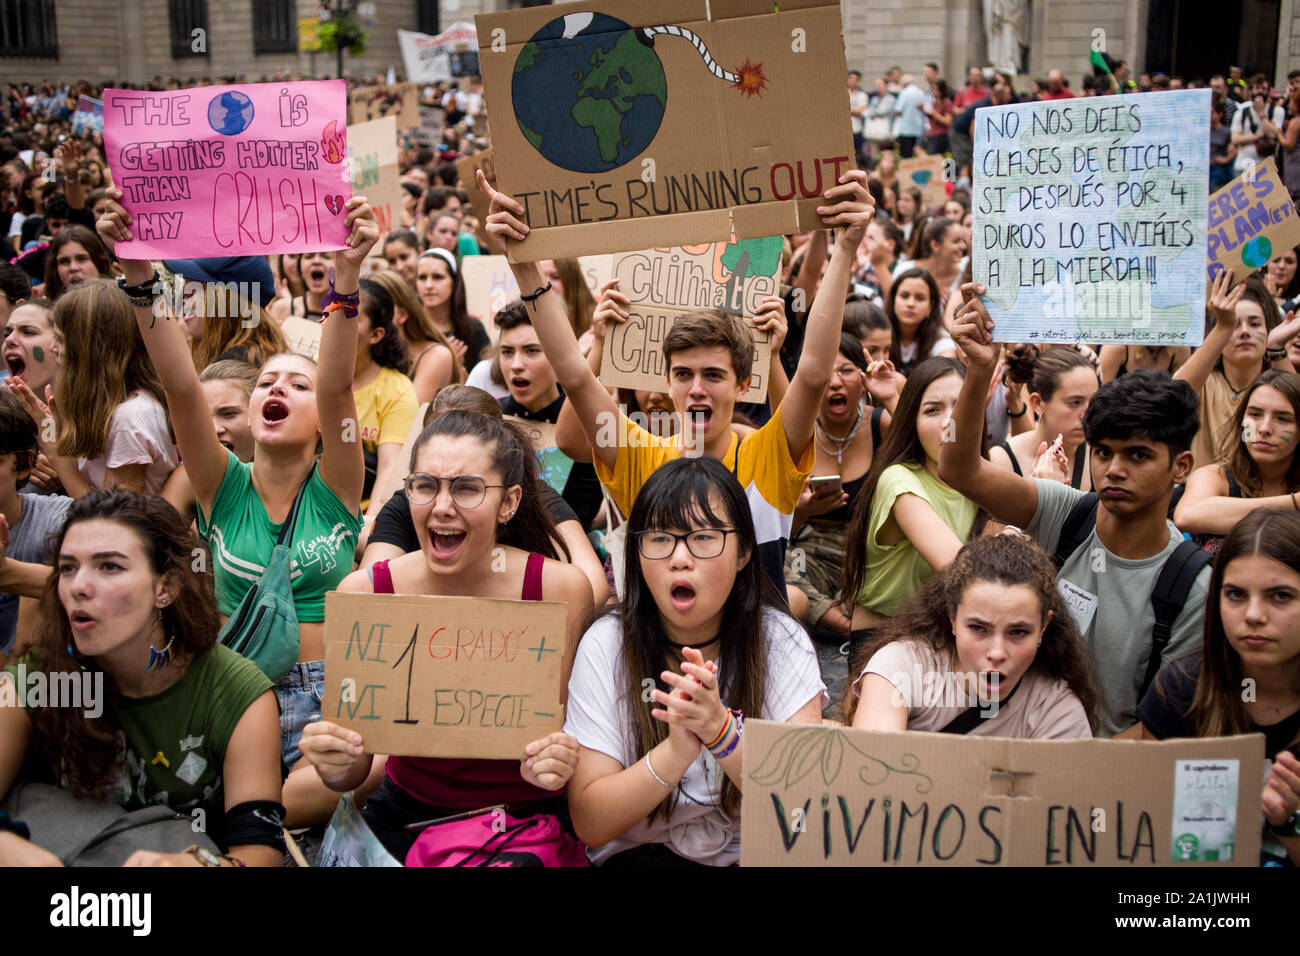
(1257, 252)
(589, 92)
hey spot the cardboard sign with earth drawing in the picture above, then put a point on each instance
(620, 125)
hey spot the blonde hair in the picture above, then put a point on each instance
(404, 298)
(223, 328)
(104, 364)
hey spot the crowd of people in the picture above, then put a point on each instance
(1099, 542)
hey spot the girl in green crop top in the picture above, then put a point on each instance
(294, 406)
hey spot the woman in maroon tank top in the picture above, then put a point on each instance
(470, 475)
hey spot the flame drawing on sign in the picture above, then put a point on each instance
(750, 80)
(333, 143)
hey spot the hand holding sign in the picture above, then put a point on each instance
(972, 329)
(849, 205)
(337, 753)
(771, 319)
(1224, 299)
(612, 307)
(503, 220)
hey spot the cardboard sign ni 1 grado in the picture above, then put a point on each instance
(426, 676)
(826, 796)
(401, 100)
(620, 125)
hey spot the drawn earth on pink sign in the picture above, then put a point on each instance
(230, 170)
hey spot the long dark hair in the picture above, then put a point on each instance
(531, 529)
(928, 332)
(1217, 706)
(683, 494)
(390, 351)
(1002, 559)
(1240, 464)
(902, 445)
(85, 752)
(462, 326)
(53, 287)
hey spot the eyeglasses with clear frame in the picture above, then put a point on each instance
(702, 543)
(467, 491)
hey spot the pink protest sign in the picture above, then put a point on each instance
(230, 170)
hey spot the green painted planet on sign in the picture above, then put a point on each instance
(1257, 252)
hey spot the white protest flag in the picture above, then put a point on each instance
(428, 58)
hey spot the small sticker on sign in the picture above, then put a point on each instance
(1205, 811)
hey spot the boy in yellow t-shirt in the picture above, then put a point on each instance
(709, 357)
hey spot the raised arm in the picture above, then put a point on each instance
(1004, 494)
(1223, 302)
(169, 349)
(594, 406)
(342, 464)
(849, 206)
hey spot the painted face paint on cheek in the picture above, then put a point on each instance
(38, 353)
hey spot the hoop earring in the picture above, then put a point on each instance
(160, 659)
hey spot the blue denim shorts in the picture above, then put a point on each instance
(299, 693)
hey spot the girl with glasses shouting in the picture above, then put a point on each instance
(471, 476)
(661, 682)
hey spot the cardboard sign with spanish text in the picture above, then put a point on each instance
(926, 173)
(302, 336)
(1090, 218)
(372, 156)
(664, 284)
(422, 676)
(401, 100)
(620, 125)
(827, 796)
(1251, 220)
(244, 170)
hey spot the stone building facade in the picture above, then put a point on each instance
(132, 40)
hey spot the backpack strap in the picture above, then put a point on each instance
(877, 414)
(1168, 597)
(1076, 528)
(970, 718)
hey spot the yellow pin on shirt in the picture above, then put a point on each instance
(160, 759)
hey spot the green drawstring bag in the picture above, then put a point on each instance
(264, 628)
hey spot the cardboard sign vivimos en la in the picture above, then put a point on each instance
(818, 796)
(1251, 221)
(620, 125)
(665, 284)
(443, 676)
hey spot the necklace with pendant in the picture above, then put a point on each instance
(843, 443)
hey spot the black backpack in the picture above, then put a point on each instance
(1172, 586)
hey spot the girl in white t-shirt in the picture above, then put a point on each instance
(658, 778)
(112, 427)
(987, 647)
